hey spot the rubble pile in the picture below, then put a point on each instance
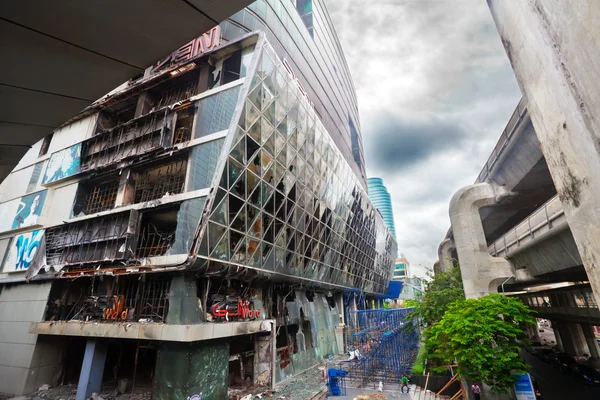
(67, 392)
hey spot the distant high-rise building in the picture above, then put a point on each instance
(401, 269)
(382, 201)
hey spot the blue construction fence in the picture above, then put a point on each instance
(381, 347)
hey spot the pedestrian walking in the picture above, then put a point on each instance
(476, 391)
(404, 381)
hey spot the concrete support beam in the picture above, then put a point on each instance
(183, 301)
(579, 341)
(92, 369)
(566, 342)
(481, 273)
(590, 338)
(554, 50)
(445, 255)
(557, 336)
(263, 367)
(570, 338)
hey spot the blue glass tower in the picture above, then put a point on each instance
(382, 201)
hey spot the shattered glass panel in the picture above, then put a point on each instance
(188, 218)
(305, 214)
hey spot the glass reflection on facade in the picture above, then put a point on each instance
(287, 201)
(303, 33)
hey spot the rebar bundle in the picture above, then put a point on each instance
(386, 348)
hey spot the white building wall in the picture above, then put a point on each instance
(16, 183)
(63, 137)
(31, 157)
(73, 133)
(19, 306)
(61, 205)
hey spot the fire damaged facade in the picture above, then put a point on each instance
(191, 232)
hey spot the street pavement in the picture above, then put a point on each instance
(392, 392)
(555, 385)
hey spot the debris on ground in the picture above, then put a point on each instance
(372, 396)
(108, 392)
(302, 386)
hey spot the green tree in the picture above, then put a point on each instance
(444, 289)
(484, 336)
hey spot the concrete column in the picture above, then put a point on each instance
(590, 338)
(570, 338)
(263, 365)
(554, 50)
(445, 254)
(557, 337)
(481, 273)
(533, 333)
(579, 340)
(183, 301)
(92, 368)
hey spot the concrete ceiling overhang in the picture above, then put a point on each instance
(58, 57)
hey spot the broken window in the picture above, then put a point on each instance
(214, 113)
(247, 53)
(163, 180)
(307, 331)
(45, 145)
(157, 232)
(232, 67)
(118, 114)
(103, 239)
(183, 125)
(35, 176)
(188, 218)
(134, 296)
(174, 90)
(96, 196)
(241, 361)
(132, 139)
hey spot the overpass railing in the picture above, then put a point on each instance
(576, 303)
(540, 221)
(514, 121)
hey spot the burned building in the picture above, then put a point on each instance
(195, 228)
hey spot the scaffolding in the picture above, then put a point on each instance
(382, 347)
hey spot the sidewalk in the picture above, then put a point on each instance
(389, 394)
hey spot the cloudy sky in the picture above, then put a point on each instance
(435, 90)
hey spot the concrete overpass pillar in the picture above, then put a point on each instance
(566, 341)
(554, 50)
(590, 338)
(572, 338)
(533, 333)
(557, 337)
(445, 255)
(579, 341)
(481, 273)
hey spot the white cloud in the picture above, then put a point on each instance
(427, 65)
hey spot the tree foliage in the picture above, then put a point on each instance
(444, 289)
(484, 336)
